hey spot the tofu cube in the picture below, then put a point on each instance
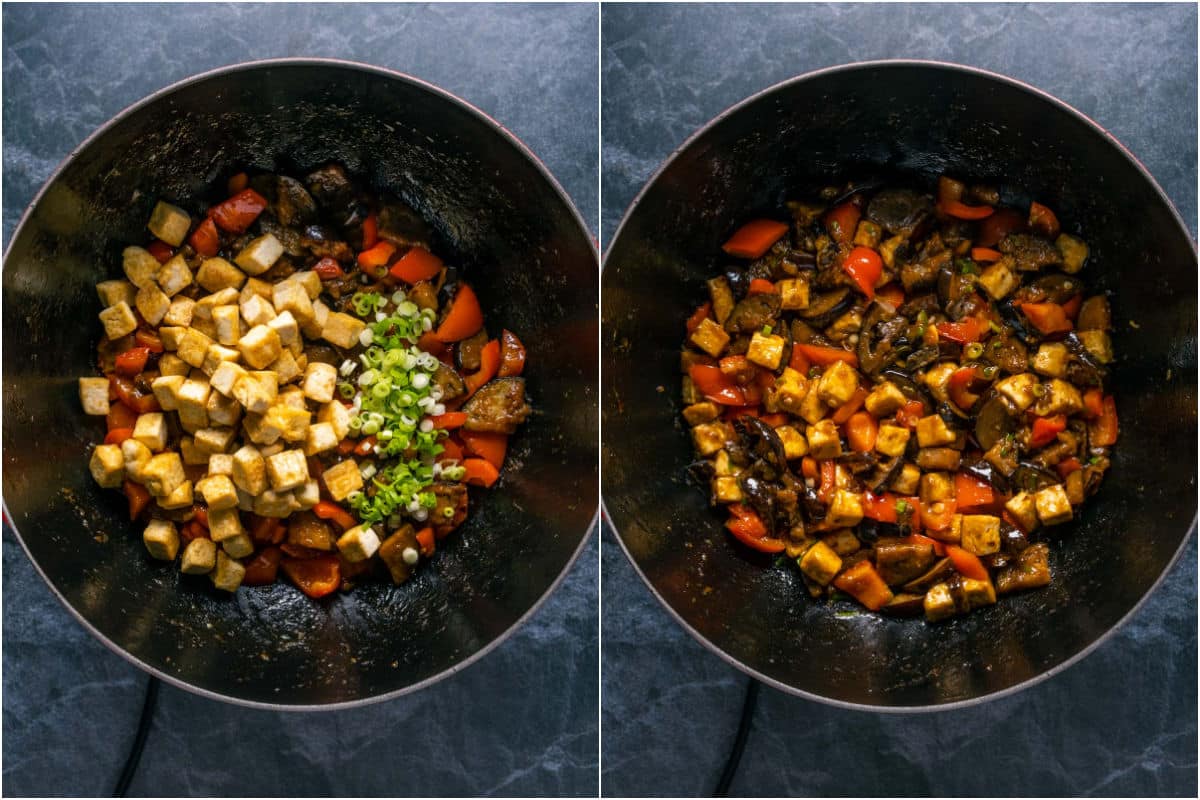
(214, 440)
(292, 397)
(821, 564)
(286, 327)
(287, 470)
(907, 480)
(709, 337)
(998, 280)
(180, 312)
(216, 274)
(191, 400)
(1053, 505)
(238, 546)
(256, 391)
(793, 294)
(118, 320)
(1061, 397)
(107, 466)
(358, 544)
(795, 445)
(336, 415)
(93, 396)
(892, 440)
(342, 330)
(1051, 360)
(226, 376)
(341, 479)
(215, 357)
(320, 380)
(936, 486)
(205, 305)
(710, 438)
(192, 455)
(249, 470)
(174, 276)
(224, 523)
(838, 384)
(115, 291)
(171, 336)
(171, 365)
(260, 346)
(766, 351)
(1023, 509)
(293, 423)
(163, 474)
(261, 430)
(257, 310)
(824, 441)
(695, 414)
(319, 438)
(169, 223)
(199, 557)
(1098, 343)
(285, 367)
(885, 400)
(220, 464)
(938, 380)
(726, 489)
(228, 320)
(275, 504)
(151, 430)
(255, 286)
(182, 497)
(228, 574)
(1074, 252)
(315, 328)
(260, 255)
(953, 533)
(932, 431)
(161, 539)
(981, 534)
(812, 407)
(308, 495)
(939, 603)
(141, 267)
(790, 390)
(193, 347)
(223, 410)
(1018, 390)
(846, 510)
(218, 492)
(136, 456)
(289, 295)
(311, 282)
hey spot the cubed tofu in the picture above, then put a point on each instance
(320, 380)
(293, 423)
(118, 320)
(939, 603)
(256, 391)
(93, 396)
(275, 504)
(938, 380)
(937, 486)
(228, 320)
(790, 390)
(907, 480)
(216, 274)
(224, 523)
(974, 594)
(174, 276)
(180, 312)
(812, 407)
(315, 328)
(171, 365)
(765, 350)
(709, 337)
(1060, 397)
(308, 495)
(1074, 252)
(998, 280)
(161, 539)
(215, 440)
(287, 470)
(218, 492)
(336, 415)
(226, 376)
(199, 557)
(256, 286)
(220, 464)
(216, 356)
(107, 465)
(271, 449)
(843, 541)
(892, 440)
(846, 510)
(205, 305)
(824, 441)
(192, 456)
(695, 414)
(285, 367)
(171, 336)
(141, 267)
(726, 489)
(1023, 508)
(260, 255)
(151, 430)
(793, 294)
(169, 223)
(844, 326)
(290, 295)
(1098, 343)
(260, 346)
(320, 438)
(710, 438)
(136, 456)
(191, 401)
(1052, 504)
(163, 474)
(1018, 390)
(261, 430)
(795, 445)
(292, 397)
(222, 410)
(837, 384)
(980, 534)
(286, 327)
(249, 470)
(193, 347)
(358, 544)
(311, 282)
(885, 400)
(238, 546)
(1051, 360)
(342, 479)
(821, 564)
(228, 574)
(182, 497)
(116, 291)
(951, 533)
(932, 431)
(342, 330)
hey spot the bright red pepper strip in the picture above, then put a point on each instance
(132, 361)
(748, 528)
(1046, 430)
(864, 266)
(237, 213)
(716, 386)
(755, 238)
(1104, 430)
(967, 563)
(418, 264)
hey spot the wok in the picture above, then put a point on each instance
(904, 122)
(517, 238)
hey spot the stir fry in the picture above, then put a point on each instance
(293, 381)
(901, 392)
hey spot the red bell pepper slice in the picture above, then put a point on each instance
(122, 416)
(263, 569)
(965, 331)
(426, 541)
(912, 411)
(1049, 318)
(449, 420)
(880, 507)
(463, 319)
(761, 286)
(512, 355)
(418, 264)
(1046, 429)
(149, 340)
(332, 511)
(892, 294)
(372, 259)
(863, 583)
(799, 361)
(748, 528)
(716, 386)
(985, 255)
(264, 529)
(864, 266)
(128, 394)
(370, 231)
(972, 495)
(1093, 403)
(1072, 306)
(1043, 220)
(962, 385)
(205, 240)
(967, 563)
(851, 406)
(1067, 466)
(236, 183)
(451, 449)
(489, 446)
(480, 472)
(132, 361)
(754, 238)
(1105, 429)
(161, 251)
(701, 313)
(828, 480)
(327, 269)
(960, 210)
(138, 496)
(238, 213)
(937, 516)
(316, 577)
(118, 435)
(824, 356)
(841, 221)
(366, 446)
(489, 365)
(999, 225)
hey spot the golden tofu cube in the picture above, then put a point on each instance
(260, 346)
(308, 495)
(311, 282)
(218, 492)
(937, 486)
(292, 397)
(843, 541)
(228, 320)
(695, 414)
(192, 455)
(892, 440)
(1098, 343)
(981, 534)
(341, 479)
(107, 465)
(793, 294)
(939, 603)
(795, 445)
(256, 286)
(315, 328)
(205, 305)
(1051, 360)
(170, 364)
(336, 415)
(1061, 397)
(261, 430)
(228, 574)
(951, 534)
(256, 391)
(1023, 508)
(726, 489)
(932, 431)
(976, 594)
(885, 400)
(286, 327)
(172, 336)
(275, 504)
(998, 280)
(114, 291)
(1074, 252)
(193, 347)
(320, 380)
(182, 497)
(824, 441)
(1053, 505)
(710, 337)
(141, 267)
(174, 276)
(292, 422)
(257, 310)
(163, 474)
(766, 351)
(136, 456)
(118, 320)
(93, 396)
(180, 312)
(222, 410)
(161, 539)
(191, 399)
(710, 438)
(790, 390)
(169, 223)
(342, 330)
(938, 380)
(821, 564)
(260, 255)
(199, 557)
(220, 464)
(224, 523)
(216, 274)
(907, 480)
(319, 438)
(152, 304)
(837, 384)
(358, 544)
(216, 356)
(285, 367)
(214, 440)
(846, 510)
(1018, 390)
(151, 430)
(238, 546)
(249, 470)
(226, 376)
(287, 470)
(289, 295)
(812, 407)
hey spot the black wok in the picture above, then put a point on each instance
(905, 122)
(517, 238)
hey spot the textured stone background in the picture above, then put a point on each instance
(1122, 722)
(522, 721)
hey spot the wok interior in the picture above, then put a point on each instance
(905, 124)
(516, 239)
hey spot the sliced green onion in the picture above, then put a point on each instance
(973, 351)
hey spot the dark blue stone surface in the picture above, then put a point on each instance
(1121, 722)
(522, 721)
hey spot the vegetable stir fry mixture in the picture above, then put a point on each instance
(901, 392)
(293, 381)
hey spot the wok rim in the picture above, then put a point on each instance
(384, 72)
(650, 182)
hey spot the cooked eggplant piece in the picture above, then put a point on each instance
(898, 561)
(1052, 288)
(942, 459)
(450, 382)
(1094, 314)
(899, 211)
(1031, 570)
(1007, 353)
(293, 204)
(451, 496)
(499, 406)
(402, 226)
(824, 308)
(335, 194)
(941, 570)
(993, 420)
(875, 341)
(753, 313)
(904, 605)
(1031, 477)
(467, 353)
(923, 273)
(763, 444)
(1030, 252)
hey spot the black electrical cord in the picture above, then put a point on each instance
(739, 741)
(139, 739)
